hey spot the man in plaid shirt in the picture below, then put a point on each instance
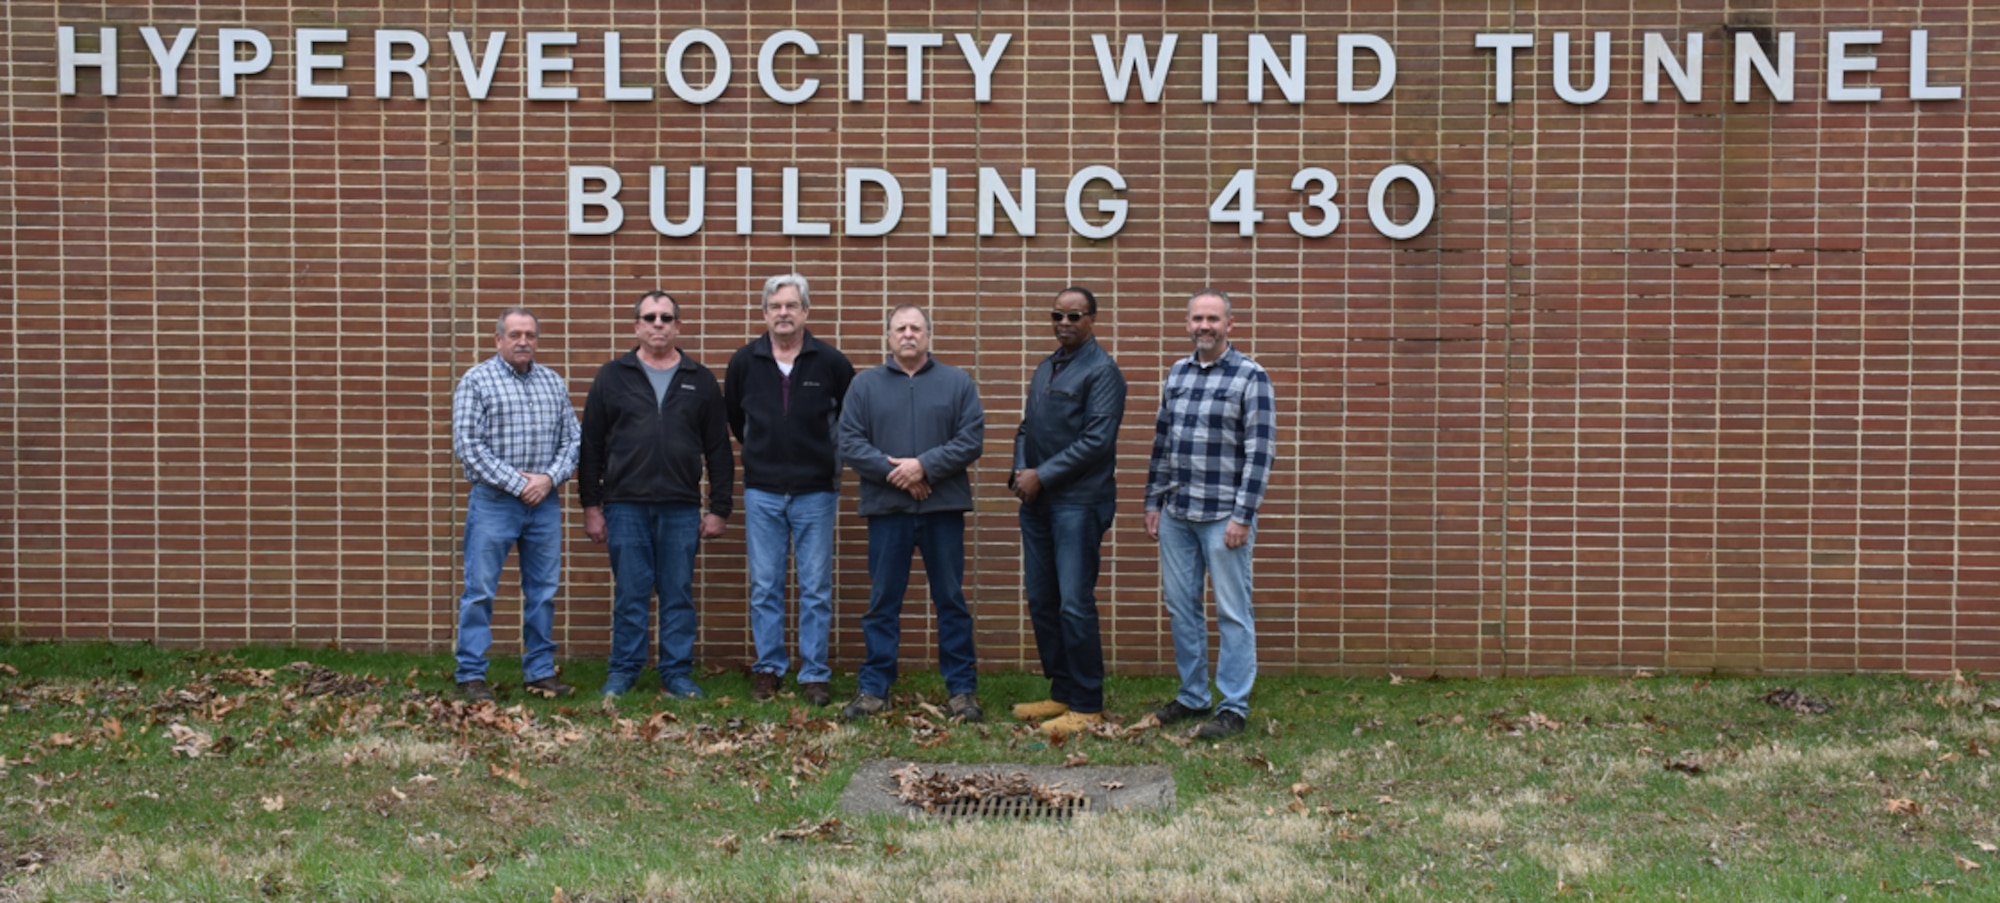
(1212, 448)
(514, 429)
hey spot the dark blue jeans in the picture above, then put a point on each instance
(940, 536)
(652, 550)
(1060, 548)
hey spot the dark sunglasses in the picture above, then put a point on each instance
(657, 318)
(1057, 316)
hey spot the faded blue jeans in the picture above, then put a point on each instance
(652, 549)
(799, 527)
(1061, 547)
(496, 522)
(1189, 551)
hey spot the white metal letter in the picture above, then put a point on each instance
(1264, 59)
(743, 197)
(1839, 63)
(105, 61)
(1600, 70)
(229, 67)
(1211, 68)
(1385, 58)
(1503, 46)
(169, 60)
(697, 202)
(677, 73)
(1750, 54)
(892, 201)
(913, 44)
(1152, 73)
(940, 225)
(984, 64)
(792, 225)
(614, 72)
(478, 80)
(1660, 56)
(605, 200)
(540, 64)
(1020, 212)
(387, 65)
(854, 65)
(767, 69)
(1920, 70)
(1378, 210)
(1117, 207)
(310, 62)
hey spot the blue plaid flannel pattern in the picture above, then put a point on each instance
(1214, 440)
(504, 424)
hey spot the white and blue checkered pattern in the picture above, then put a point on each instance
(505, 424)
(1214, 440)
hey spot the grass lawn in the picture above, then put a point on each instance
(138, 773)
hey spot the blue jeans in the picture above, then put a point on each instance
(1190, 550)
(496, 522)
(652, 549)
(798, 527)
(941, 538)
(1060, 549)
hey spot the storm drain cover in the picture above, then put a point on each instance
(1004, 790)
(1019, 807)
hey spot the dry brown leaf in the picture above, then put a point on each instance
(1301, 789)
(189, 742)
(1111, 785)
(112, 729)
(1075, 759)
(59, 740)
(511, 774)
(1903, 806)
(1395, 680)
(8, 670)
(1990, 848)
(474, 874)
(1144, 724)
(1966, 865)
(730, 844)
(398, 794)
(274, 803)
(559, 896)
(1257, 760)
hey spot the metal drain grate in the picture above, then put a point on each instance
(1010, 807)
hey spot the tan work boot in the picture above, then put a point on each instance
(1071, 723)
(1036, 711)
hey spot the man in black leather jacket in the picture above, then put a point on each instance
(1064, 457)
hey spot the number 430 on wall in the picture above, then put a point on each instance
(1237, 202)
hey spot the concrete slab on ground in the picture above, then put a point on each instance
(873, 791)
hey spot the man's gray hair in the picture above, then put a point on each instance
(920, 312)
(1213, 293)
(794, 280)
(500, 325)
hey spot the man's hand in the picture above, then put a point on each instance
(905, 473)
(921, 491)
(1153, 525)
(539, 486)
(712, 526)
(1235, 535)
(1027, 485)
(593, 525)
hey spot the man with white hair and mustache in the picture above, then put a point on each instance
(910, 428)
(1213, 444)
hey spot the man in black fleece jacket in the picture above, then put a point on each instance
(653, 420)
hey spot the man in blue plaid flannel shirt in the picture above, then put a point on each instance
(514, 429)
(1213, 444)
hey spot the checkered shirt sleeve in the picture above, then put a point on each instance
(505, 424)
(1214, 440)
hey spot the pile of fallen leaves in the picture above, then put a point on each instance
(932, 789)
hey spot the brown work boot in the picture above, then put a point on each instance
(817, 693)
(964, 707)
(550, 687)
(1038, 711)
(475, 691)
(1071, 723)
(763, 686)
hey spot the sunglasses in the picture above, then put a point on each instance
(1057, 316)
(657, 318)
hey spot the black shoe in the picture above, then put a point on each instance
(550, 687)
(1225, 724)
(475, 691)
(965, 707)
(1175, 713)
(864, 706)
(817, 693)
(763, 686)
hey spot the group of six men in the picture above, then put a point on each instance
(655, 421)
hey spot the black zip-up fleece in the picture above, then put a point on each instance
(635, 450)
(788, 448)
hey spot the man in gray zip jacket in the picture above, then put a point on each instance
(910, 428)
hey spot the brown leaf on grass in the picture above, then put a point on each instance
(8, 670)
(1903, 806)
(833, 829)
(1690, 765)
(189, 742)
(559, 896)
(1257, 760)
(511, 774)
(473, 875)
(1395, 680)
(1144, 724)
(730, 844)
(59, 740)
(1966, 865)
(274, 803)
(1075, 759)
(245, 677)
(1302, 789)
(1977, 748)
(1794, 701)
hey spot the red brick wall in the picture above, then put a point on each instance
(1662, 385)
